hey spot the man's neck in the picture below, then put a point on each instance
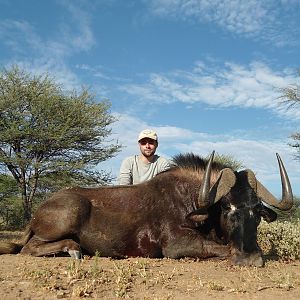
(146, 159)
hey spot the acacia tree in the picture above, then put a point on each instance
(48, 134)
(291, 96)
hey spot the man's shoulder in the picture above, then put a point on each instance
(130, 159)
(163, 160)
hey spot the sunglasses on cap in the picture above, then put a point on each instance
(147, 141)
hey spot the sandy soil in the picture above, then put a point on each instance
(26, 277)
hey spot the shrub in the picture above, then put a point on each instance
(11, 214)
(280, 239)
(292, 214)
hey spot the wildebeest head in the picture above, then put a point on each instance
(234, 206)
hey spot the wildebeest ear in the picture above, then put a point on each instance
(251, 179)
(268, 214)
(223, 185)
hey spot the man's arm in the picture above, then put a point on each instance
(165, 164)
(125, 174)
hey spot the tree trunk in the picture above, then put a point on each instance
(27, 206)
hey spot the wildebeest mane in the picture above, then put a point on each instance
(195, 162)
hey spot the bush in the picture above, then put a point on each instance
(11, 214)
(280, 239)
(292, 214)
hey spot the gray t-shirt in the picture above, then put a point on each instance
(133, 170)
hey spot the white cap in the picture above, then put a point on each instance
(148, 133)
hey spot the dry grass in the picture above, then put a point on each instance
(164, 279)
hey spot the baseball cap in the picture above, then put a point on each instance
(148, 133)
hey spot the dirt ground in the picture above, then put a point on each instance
(25, 277)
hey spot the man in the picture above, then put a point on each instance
(138, 168)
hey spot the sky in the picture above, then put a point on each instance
(206, 75)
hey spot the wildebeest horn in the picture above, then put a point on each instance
(286, 202)
(224, 183)
(203, 198)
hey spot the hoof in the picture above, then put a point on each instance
(75, 254)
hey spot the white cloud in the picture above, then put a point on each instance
(18, 35)
(253, 18)
(47, 55)
(83, 39)
(229, 85)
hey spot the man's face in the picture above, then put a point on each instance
(148, 147)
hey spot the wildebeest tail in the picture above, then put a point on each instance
(14, 248)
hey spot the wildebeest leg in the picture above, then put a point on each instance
(189, 244)
(37, 247)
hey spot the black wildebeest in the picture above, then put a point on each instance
(196, 209)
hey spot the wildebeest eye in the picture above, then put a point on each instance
(225, 205)
(257, 208)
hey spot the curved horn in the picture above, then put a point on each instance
(286, 202)
(203, 198)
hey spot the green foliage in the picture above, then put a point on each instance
(11, 210)
(292, 214)
(291, 97)
(280, 239)
(8, 187)
(47, 133)
(11, 214)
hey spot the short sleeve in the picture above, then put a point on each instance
(125, 174)
(164, 164)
